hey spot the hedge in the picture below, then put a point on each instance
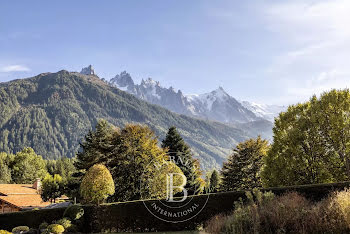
(30, 218)
(134, 217)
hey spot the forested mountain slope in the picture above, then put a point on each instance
(52, 112)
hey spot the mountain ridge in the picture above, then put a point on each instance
(51, 112)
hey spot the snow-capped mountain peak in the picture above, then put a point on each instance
(268, 112)
(216, 105)
(218, 94)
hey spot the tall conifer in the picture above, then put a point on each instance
(181, 153)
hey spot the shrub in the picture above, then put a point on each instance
(215, 224)
(55, 228)
(289, 213)
(97, 184)
(20, 229)
(43, 225)
(245, 217)
(73, 212)
(342, 202)
(334, 213)
(65, 222)
(264, 213)
(4, 232)
(286, 213)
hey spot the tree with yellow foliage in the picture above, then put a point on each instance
(97, 185)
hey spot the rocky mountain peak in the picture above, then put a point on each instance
(220, 92)
(123, 80)
(88, 70)
(149, 82)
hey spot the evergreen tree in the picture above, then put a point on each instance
(63, 167)
(243, 167)
(5, 171)
(97, 145)
(96, 148)
(181, 154)
(214, 181)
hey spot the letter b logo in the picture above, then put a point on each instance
(171, 187)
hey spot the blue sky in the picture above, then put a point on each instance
(275, 52)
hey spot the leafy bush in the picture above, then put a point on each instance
(4, 232)
(73, 212)
(20, 229)
(55, 228)
(43, 225)
(65, 222)
(97, 184)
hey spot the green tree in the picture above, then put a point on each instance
(243, 167)
(5, 171)
(135, 152)
(311, 142)
(62, 166)
(27, 166)
(52, 187)
(97, 146)
(214, 181)
(181, 154)
(97, 184)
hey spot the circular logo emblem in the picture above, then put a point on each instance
(173, 185)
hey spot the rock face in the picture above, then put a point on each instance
(151, 91)
(123, 80)
(88, 70)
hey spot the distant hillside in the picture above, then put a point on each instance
(52, 112)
